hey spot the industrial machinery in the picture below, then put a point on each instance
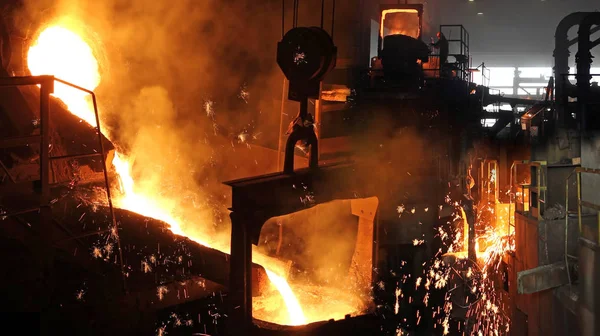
(555, 198)
(391, 108)
(146, 268)
(396, 161)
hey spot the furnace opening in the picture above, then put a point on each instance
(400, 21)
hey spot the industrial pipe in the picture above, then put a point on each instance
(562, 53)
(584, 63)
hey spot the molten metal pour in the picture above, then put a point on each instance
(60, 51)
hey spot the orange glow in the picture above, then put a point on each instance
(296, 315)
(492, 246)
(62, 50)
(495, 240)
(78, 65)
(399, 27)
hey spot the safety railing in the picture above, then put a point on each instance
(580, 204)
(459, 49)
(46, 84)
(530, 193)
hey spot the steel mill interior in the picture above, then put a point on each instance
(300, 167)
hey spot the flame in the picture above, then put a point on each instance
(60, 51)
(141, 203)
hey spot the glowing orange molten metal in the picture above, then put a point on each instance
(62, 52)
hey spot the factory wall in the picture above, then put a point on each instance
(549, 312)
(590, 158)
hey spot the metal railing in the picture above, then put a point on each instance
(580, 203)
(486, 75)
(46, 84)
(459, 49)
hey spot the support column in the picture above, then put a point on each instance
(240, 293)
(44, 156)
(470, 213)
(45, 251)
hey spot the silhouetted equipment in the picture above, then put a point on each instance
(400, 50)
(305, 55)
(251, 208)
(584, 62)
(410, 21)
(46, 89)
(564, 87)
(401, 53)
(561, 59)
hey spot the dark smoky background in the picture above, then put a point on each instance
(190, 90)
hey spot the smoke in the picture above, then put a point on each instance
(161, 63)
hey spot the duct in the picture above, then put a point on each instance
(561, 54)
(584, 63)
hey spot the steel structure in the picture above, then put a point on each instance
(46, 84)
(459, 49)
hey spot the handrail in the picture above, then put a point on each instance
(102, 151)
(578, 171)
(461, 68)
(48, 81)
(567, 225)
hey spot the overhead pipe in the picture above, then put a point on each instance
(575, 40)
(561, 55)
(588, 251)
(584, 63)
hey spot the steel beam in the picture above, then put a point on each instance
(48, 81)
(542, 278)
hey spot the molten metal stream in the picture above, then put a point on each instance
(61, 52)
(294, 309)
